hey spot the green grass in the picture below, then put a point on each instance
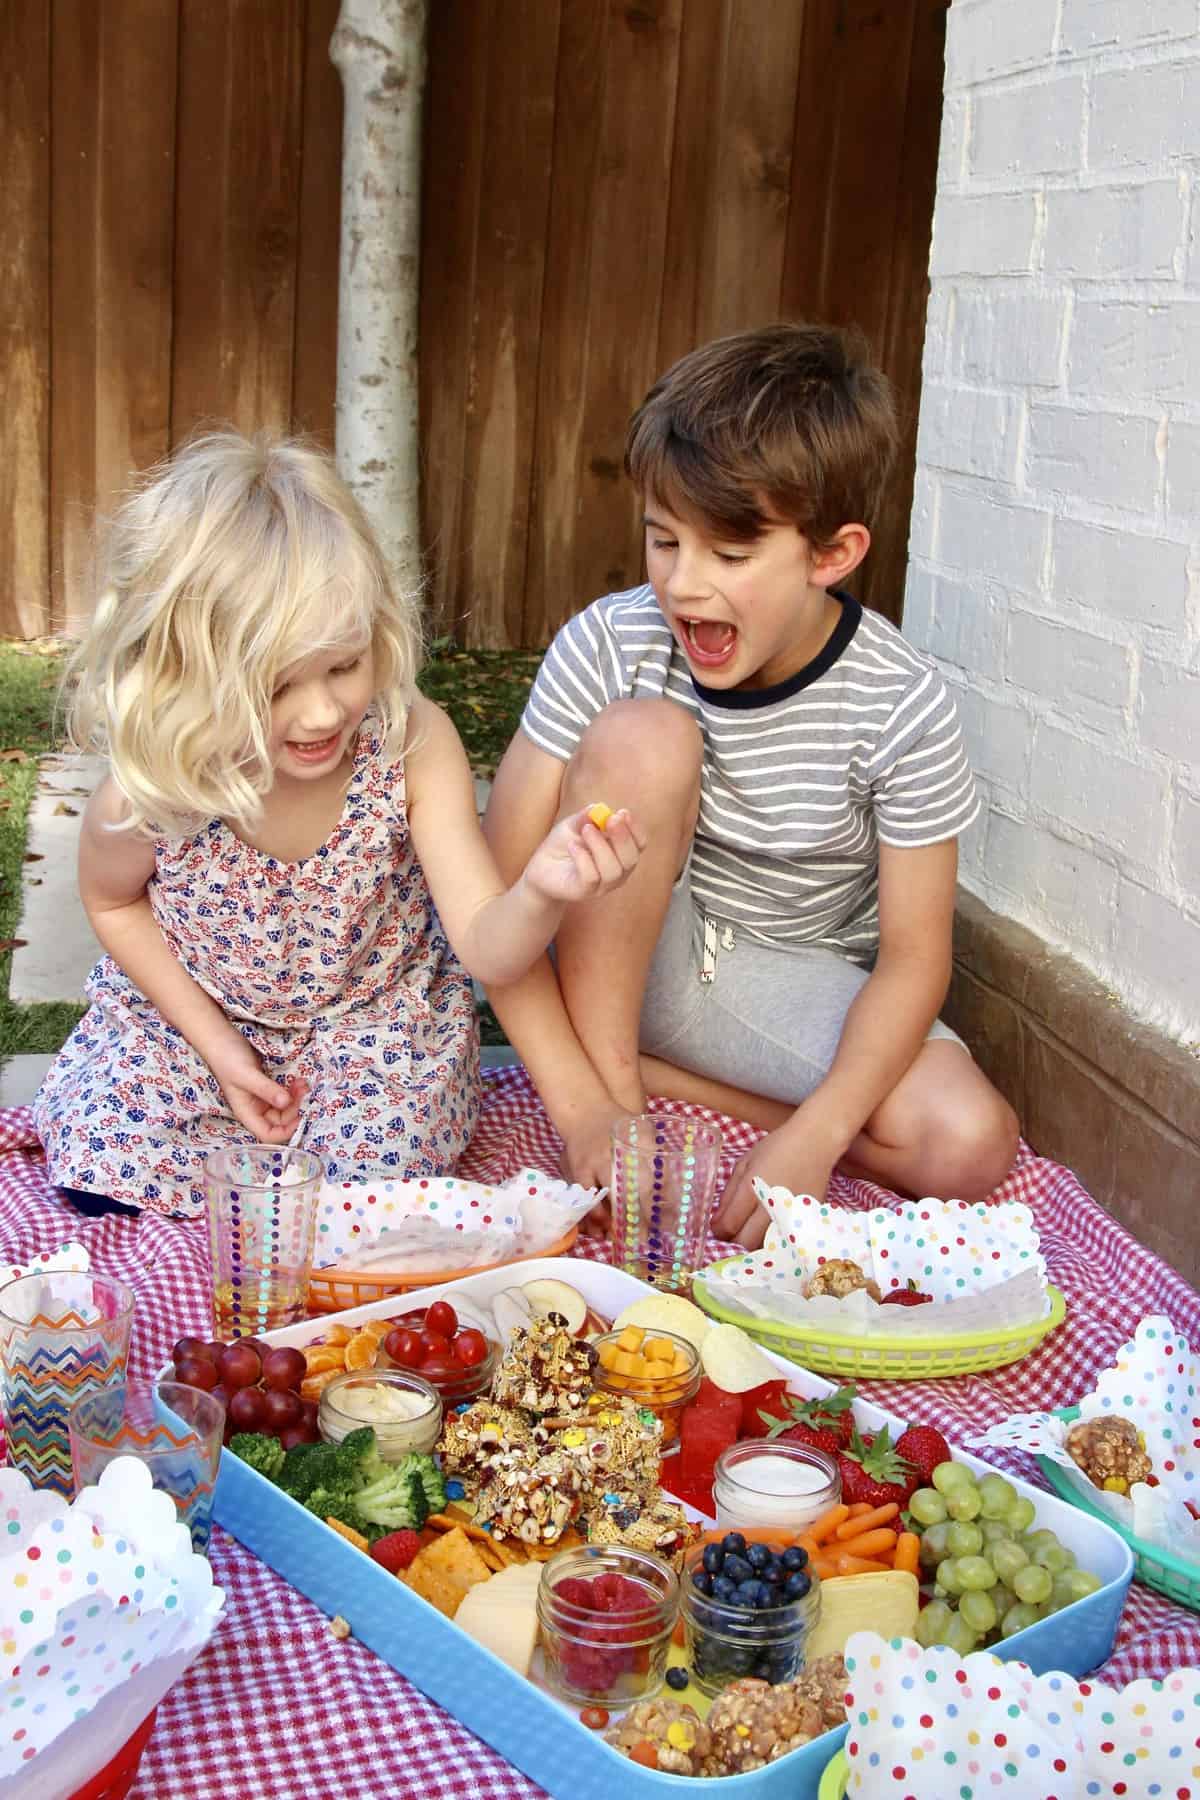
(483, 691)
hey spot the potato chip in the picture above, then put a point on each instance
(361, 1351)
(446, 1571)
(322, 1357)
(733, 1361)
(666, 1312)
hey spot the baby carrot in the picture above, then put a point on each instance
(822, 1566)
(827, 1524)
(845, 1564)
(859, 1508)
(880, 1542)
(809, 1545)
(866, 1521)
(908, 1552)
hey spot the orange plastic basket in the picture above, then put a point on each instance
(337, 1289)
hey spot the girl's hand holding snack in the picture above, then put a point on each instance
(269, 1109)
(581, 860)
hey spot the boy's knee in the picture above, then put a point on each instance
(634, 743)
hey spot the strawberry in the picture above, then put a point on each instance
(907, 1296)
(396, 1551)
(824, 1423)
(924, 1448)
(872, 1471)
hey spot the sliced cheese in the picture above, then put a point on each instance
(885, 1602)
(501, 1614)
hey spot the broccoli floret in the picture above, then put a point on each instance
(261, 1452)
(433, 1483)
(396, 1501)
(360, 1456)
(307, 1466)
(336, 1503)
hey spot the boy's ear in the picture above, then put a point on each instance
(840, 557)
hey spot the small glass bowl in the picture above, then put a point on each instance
(476, 1378)
(665, 1395)
(609, 1657)
(729, 1643)
(744, 1503)
(395, 1437)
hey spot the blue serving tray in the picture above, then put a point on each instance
(526, 1725)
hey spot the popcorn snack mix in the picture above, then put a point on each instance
(751, 1724)
(839, 1277)
(1111, 1451)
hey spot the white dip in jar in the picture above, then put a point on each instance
(404, 1409)
(760, 1483)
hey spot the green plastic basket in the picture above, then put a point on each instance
(889, 1358)
(836, 1778)
(1154, 1567)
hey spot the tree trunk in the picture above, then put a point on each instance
(378, 48)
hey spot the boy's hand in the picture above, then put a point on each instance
(777, 1160)
(579, 861)
(268, 1109)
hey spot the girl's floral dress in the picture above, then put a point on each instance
(334, 968)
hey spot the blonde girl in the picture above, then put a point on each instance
(283, 864)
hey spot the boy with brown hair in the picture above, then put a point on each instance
(783, 948)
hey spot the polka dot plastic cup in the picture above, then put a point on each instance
(664, 1182)
(64, 1335)
(175, 1430)
(262, 1210)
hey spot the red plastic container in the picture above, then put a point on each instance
(116, 1778)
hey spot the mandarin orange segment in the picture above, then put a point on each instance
(378, 1328)
(361, 1351)
(312, 1386)
(325, 1358)
(338, 1334)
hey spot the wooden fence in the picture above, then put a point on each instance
(607, 183)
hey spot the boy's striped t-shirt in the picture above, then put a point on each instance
(800, 783)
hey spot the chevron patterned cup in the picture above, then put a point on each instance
(64, 1335)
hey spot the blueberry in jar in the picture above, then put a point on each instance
(759, 1556)
(748, 1593)
(702, 1583)
(794, 1558)
(737, 1568)
(797, 1585)
(713, 1559)
(723, 1588)
(733, 1541)
(677, 1679)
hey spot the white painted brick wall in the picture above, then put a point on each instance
(1055, 549)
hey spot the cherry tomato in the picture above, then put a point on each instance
(442, 1318)
(433, 1344)
(404, 1347)
(443, 1368)
(596, 1718)
(470, 1347)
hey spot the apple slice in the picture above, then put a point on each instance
(512, 1312)
(548, 1296)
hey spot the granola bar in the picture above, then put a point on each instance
(545, 1370)
(531, 1495)
(753, 1723)
(656, 1524)
(474, 1441)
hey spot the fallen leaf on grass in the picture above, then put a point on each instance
(72, 812)
(33, 856)
(14, 756)
(12, 944)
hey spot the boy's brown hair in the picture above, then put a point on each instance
(789, 422)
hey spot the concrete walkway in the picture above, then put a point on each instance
(59, 945)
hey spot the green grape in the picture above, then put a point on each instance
(999, 1496)
(934, 1545)
(1032, 1584)
(964, 1503)
(959, 1636)
(950, 1475)
(979, 1611)
(1018, 1618)
(963, 1538)
(1006, 1559)
(927, 1506)
(975, 1572)
(1022, 1513)
(1039, 1540)
(996, 1531)
(947, 1576)
(1060, 1594)
(1001, 1598)
(932, 1621)
(1055, 1557)
(1079, 1583)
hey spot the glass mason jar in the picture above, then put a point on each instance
(768, 1483)
(403, 1409)
(726, 1642)
(664, 1385)
(612, 1657)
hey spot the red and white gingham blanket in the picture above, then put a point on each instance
(278, 1708)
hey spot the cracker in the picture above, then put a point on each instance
(348, 1532)
(446, 1571)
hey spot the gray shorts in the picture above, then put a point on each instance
(765, 1020)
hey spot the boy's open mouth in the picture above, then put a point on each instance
(709, 642)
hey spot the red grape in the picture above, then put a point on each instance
(281, 1408)
(442, 1318)
(240, 1366)
(254, 1344)
(308, 1414)
(247, 1409)
(442, 1368)
(298, 1434)
(284, 1367)
(433, 1344)
(197, 1373)
(190, 1349)
(470, 1347)
(215, 1350)
(404, 1347)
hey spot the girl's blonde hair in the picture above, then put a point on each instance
(228, 564)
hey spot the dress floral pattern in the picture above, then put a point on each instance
(335, 968)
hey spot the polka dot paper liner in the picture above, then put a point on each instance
(497, 1221)
(929, 1722)
(70, 1256)
(1155, 1382)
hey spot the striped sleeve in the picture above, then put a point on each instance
(581, 673)
(921, 784)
